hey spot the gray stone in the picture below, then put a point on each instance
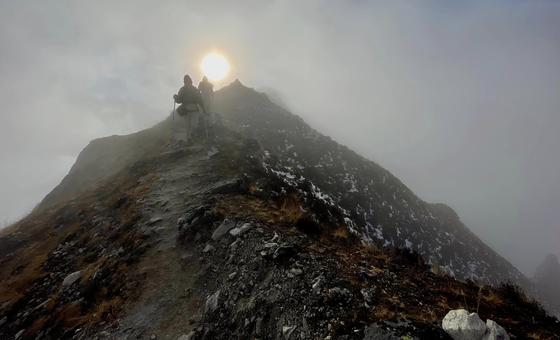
(223, 229)
(461, 325)
(70, 279)
(212, 302)
(317, 285)
(238, 231)
(287, 331)
(296, 271)
(208, 248)
(19, 334)
(494, 331)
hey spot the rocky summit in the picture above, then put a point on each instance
(266, 229)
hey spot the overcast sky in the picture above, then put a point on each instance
(459, 99)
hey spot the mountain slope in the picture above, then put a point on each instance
(150, 238)
(382, 210)
(547, 281)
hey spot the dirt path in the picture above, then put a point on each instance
(166, 307)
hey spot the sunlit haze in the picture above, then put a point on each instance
(215, 66)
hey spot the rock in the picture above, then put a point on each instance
(494, 331)
(296, 271)
(287, 331)
(70, 279)
(461, 325)
(375, 332)
(153, 337)
(189, 336)
(19, 334)
(208, 248)
(232, 275)
(155, 220)
(317, 285)
(212, 302)
(3, 321)
(213, 151)
(238, 231)
(223, 229)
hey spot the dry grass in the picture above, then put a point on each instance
(384, 313)
(341, 233)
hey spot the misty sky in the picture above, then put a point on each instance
(459, 99)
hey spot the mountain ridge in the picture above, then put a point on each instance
(254, 233)
(279, 135)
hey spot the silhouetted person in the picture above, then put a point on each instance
(207, 91)
(191, 105)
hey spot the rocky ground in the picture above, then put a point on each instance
(210, 240)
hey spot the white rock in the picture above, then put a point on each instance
(70, 279)
(461, 325)
(494, 331)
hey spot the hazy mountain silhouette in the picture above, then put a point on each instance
(268, 229)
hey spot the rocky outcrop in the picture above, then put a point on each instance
(462, 325)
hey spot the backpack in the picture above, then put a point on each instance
(185, 109)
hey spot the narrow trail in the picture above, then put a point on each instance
(168, 310)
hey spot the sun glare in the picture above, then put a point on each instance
(215, 66)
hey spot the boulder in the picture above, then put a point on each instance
(494, 331)
(223, 229)
(70, 279)
(461, 325)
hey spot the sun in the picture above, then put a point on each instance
(215, 66)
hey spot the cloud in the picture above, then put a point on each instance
(458, 99)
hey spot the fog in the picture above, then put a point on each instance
(460, 100)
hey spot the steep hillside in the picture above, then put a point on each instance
(379, 207)
(150, 238)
